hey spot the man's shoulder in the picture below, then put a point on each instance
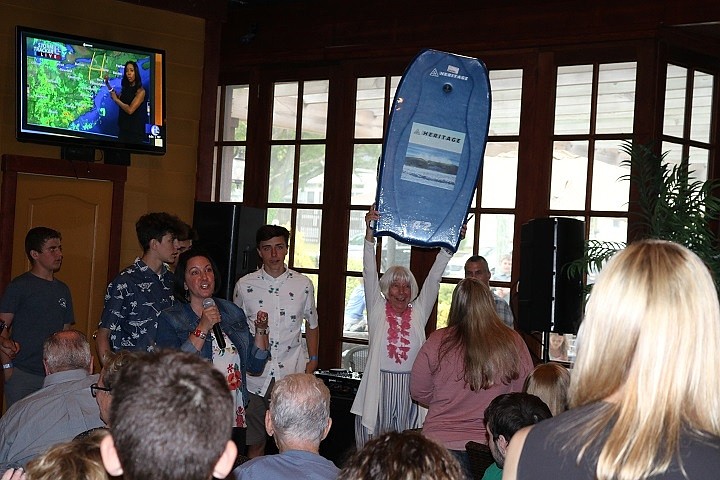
(292, 462)
(298, 277)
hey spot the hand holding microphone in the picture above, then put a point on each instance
(217, 331)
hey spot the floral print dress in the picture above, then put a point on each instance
(229, 364)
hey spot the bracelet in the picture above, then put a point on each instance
(111, 90)
(313, 358)
(200, 334)
(7, 365)
(262, 331)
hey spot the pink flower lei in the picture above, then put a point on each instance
(398, 339)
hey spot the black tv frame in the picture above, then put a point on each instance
(70, 139)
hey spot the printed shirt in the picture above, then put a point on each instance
(133, 302)
(288, 300)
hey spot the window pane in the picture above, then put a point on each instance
(307, 238)
(456, 266)
(279, 216)
(701, 107)
(232, 177)
(616, 97)
(608, 191)
(315, 105)
(370, 107)
(499, 175)
(506, 86)
(699, 158)
(356, 241)
(284, 111)
(675, 100)
(281, 173)
(608, 229)
(364, 176)
(312, 174)
(444, 302)
(236, 113)
(569, 175)
(572, 103)
(672, 152)
(394, 253)
(355, 315)
(496, 243)
(217, 114)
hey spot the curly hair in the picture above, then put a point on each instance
(402, 456)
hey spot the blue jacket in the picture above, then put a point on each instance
(175, 324)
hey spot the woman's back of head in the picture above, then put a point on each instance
(550, 381)
(655, 299)
(490, 353)
(78, 459)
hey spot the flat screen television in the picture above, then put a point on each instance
(63, 97)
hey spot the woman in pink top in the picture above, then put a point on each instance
(461, 368)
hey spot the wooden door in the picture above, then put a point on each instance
(80, 210)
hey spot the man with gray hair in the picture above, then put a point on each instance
(298, 419)
(57, 412)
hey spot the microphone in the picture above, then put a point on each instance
(207, 303)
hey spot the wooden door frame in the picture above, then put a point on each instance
(12, 165)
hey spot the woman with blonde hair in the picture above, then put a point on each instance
(75, 460)
(463, 367)
(550, 381)
(635, 416)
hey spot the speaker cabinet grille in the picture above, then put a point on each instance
(550, 300)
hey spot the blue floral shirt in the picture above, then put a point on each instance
(133, 302)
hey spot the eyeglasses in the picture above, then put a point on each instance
(94, 389)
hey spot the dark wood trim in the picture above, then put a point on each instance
(208, 9)
(204, 179)
(12, 165)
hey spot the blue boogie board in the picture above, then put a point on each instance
(433, 149)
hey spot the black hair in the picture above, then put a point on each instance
(266, 232)
(510, 412)
(171, 417)
(125, 84)
(36, 238)
(154, 226)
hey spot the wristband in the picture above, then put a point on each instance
(200, 334)
(7, 365)
(313, 358)
(262, 331)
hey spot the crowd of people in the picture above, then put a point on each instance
(192, 386)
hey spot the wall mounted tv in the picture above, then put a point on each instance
(66, 87)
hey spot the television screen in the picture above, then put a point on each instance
(87, 92)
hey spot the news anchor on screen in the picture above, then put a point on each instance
(132, 116)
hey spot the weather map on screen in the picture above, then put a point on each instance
(66, 87)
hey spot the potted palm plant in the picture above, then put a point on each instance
(671, 205)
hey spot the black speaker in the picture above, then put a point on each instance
(550, 300)
(227, 231)
(77, 153)
(340, 442)
(116, 157)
